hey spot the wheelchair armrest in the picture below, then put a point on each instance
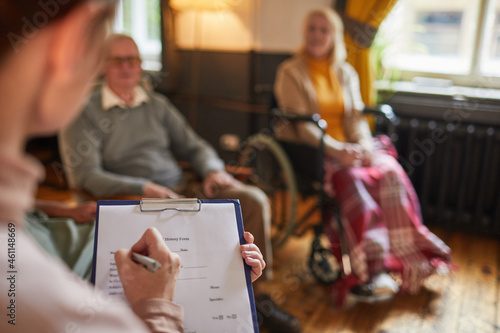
(314, 118)
(383, 110)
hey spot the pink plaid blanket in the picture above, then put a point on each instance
(382, 223)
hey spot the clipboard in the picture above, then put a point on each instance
(214, 284)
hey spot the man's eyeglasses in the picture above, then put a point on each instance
(117, 61)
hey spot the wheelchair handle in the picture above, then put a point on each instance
(314, 118)
(385, 110)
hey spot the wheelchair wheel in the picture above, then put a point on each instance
(322, 263)
(273, 173)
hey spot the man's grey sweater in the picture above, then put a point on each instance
(117, 151)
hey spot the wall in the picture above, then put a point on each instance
(258, 25)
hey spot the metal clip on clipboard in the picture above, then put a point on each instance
(180, 205)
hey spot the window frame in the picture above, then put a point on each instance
(151, 50)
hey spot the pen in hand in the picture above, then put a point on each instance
(148, 263)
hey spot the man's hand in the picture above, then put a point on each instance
(83, 213)
(217, 180)
(152, 190)
(139, 283)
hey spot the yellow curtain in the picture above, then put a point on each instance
(372, 13)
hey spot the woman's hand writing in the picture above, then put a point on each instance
(139, 283)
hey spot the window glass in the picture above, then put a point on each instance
(141, 19)
(490, 61)
(439, 32)
(431, 36)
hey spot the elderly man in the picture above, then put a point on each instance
(128, 140)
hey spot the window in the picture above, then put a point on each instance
(456, 40)
(141, 19)
(491, 57)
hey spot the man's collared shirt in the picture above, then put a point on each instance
(110, 99)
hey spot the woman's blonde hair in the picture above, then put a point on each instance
(338, 53)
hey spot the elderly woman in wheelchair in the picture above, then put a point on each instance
(381, 226)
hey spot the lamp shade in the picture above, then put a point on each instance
(203, 5)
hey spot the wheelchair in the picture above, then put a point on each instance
(291, 173)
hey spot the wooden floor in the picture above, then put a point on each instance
(465, 301)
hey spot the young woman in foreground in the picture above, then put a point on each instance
(50, 52)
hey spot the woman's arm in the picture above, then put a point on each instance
(356, 127)
(294, 96)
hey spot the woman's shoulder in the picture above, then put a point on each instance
(295, 63)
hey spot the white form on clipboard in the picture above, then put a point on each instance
(214, 284)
